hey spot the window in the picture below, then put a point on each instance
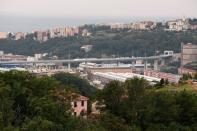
(75, 104)
(82, 103)
(82, 113)
(75, 113)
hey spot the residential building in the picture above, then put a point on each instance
(19, 35)
(144, 25)
(3, 35)
(42, 35)
(179, 25)
(85, 33)
(64, 32)
(79, 105)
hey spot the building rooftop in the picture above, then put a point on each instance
(124, 76)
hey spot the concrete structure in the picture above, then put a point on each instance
(3, 35)
(188, 53)
(79, 105)
(90, 60)
(156, 74)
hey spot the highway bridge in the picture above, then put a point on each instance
(117, 60)
(120, 59)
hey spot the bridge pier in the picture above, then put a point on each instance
(145, 64)
(117, 63)
(162, 62)
(156, 64)
(68, 65)
(133, 64)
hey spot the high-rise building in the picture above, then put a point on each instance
(64, 31)
(42, 35)
(188, 53)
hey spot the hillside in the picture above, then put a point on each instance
(105, 42)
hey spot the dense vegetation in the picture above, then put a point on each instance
(106, 42)
(134, 105)
(29, 103)
(79, 84)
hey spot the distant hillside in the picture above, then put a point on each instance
(105, 42)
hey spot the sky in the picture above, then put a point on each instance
(116, 8)
(29, 9)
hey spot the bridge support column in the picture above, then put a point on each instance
(156, 64)
(145, 64)
(162, 62)
(68, 65)
(117, 63)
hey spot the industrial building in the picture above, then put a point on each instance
(157, 74)
(110, 76)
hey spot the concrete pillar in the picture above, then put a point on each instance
(117, 63)
(145, 64)
(68, 65)
(133, 63)
(156, 64)
(162, 62)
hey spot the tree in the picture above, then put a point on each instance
(136, 91)
(27, 99)
(111, 97)
(75, 82)
(166, 82)
(162, 82)
(195, 76)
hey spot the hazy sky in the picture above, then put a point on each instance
(112, 8)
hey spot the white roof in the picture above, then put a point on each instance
(124, 76)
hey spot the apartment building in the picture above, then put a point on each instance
(144, 25)
(64, 32)
(19, 35)
(179, 24)
(188, 53)
(3, 35)
(42, 35)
